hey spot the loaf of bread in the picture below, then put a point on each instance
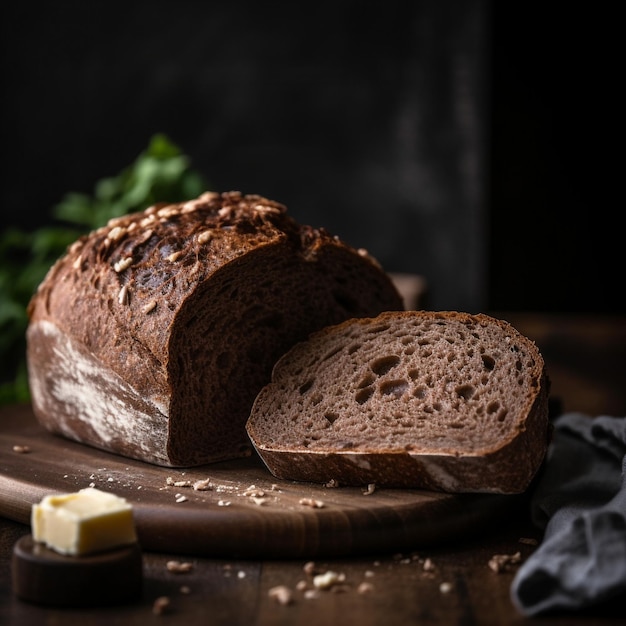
(151, 337)
(417, 399)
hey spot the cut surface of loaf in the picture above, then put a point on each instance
(437, 400)
(151, 337)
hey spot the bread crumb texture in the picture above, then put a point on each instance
(421, 385)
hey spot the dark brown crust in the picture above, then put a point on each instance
(508, 467)
(124, 295)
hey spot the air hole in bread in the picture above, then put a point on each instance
(488, 361)
(331, 417)
(420, 392)
(409, 351)
(366, 381)
(316, 399)
(502, 415)
(332, 353)
(493, 407)
(465, 391)
(382, 366)
(395, 388)
(363, 395)
(355, 347)
(451, 357)
(414, 374)
(306, 386)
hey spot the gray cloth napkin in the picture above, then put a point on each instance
(580, 502)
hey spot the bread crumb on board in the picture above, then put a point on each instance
(179, 567)
(161, 605)
(504, 562)
(371, 488)
(529, 541)
(328, 580)
(281, 594)
(365, 587)
(170, 482)
(445, 587)
(312, 502)
(21, 449)
(428, 565)
(203, 484)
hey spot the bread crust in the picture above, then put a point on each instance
(506, 463)
(138, 312)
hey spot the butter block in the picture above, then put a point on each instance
(84, 522)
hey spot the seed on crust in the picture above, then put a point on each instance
(123, 264)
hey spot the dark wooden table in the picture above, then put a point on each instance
(450, 583)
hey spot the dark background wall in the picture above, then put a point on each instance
(453, 139)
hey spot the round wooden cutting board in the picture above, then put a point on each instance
(237, 509)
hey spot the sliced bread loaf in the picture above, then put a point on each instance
(152, 336)
(418, 399)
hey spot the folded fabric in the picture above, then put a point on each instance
(580, 503)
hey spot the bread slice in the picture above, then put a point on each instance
(416, 399)
(152, 336)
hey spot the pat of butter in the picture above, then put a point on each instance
(84, 522)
